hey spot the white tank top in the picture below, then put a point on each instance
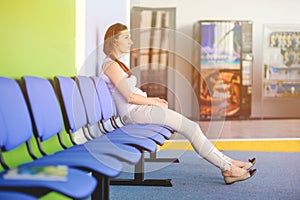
(123, 107)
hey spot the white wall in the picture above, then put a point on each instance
(98, 16)
(260, 12)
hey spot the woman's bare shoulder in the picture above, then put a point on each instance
(109, 64)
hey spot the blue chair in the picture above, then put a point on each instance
(94, 113)
(75, 117)
(16, 130)
(109, 113)
(44, 104)
(47, 118)
(118, 135)
(108, 109)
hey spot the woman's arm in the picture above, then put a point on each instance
(116, 75)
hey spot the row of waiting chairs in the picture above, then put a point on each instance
(108, 111)
(37, 110)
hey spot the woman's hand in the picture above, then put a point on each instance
(159, 102)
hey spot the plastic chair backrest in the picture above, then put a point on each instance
(14, 113)
(90, 99)
(44, 106)
(2, 130)
(72, 103)
(107, 103)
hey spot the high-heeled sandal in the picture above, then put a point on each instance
(249, 164)
(232, 179)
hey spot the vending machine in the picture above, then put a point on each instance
(223, 80)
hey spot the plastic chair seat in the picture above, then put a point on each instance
(102, 164)
(154, 127)
(75, 179)
(120, 151)
(115, 137)
(11, 195)
(139, 133)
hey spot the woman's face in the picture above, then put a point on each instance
(124, 42)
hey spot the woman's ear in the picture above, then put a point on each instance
(115, 42)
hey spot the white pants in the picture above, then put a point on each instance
(182, 125)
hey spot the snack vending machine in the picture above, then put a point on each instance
(223, 80)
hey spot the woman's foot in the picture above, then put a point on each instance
(236, 174)
(234, 171)
(244, 165)
(230, 180)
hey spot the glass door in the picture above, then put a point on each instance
(150, 56)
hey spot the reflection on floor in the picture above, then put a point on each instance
(247, 129)
(253, 129)
(256, 135)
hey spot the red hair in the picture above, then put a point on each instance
(111, 34)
